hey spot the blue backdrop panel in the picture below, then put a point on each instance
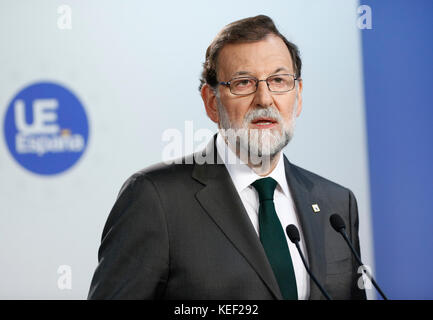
(398, 72)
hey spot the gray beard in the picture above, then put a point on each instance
(258, 143)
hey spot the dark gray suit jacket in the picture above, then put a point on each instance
(180, 231)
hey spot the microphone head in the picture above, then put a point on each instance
(293, 233)
(337, 222)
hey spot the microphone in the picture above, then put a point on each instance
(338, 224)
(293, 234)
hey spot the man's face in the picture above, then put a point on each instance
(270, 114)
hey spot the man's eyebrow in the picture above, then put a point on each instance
(281, 69)
(243, 73)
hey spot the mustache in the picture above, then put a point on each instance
(257, 113)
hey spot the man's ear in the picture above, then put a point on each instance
(299, 98)
(210, 102)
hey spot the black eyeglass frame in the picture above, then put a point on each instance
(227, 83)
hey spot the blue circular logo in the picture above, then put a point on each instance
(46, 128)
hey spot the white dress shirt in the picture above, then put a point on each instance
(242, 177)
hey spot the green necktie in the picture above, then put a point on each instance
(273, 239)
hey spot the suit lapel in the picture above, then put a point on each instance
(221, 201)
(303, 194)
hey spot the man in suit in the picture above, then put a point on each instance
(212, 226)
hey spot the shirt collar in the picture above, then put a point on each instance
(242, 175)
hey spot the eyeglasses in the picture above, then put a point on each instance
(247, 85)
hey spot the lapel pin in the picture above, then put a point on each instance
(315, 207)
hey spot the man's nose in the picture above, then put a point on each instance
(263, 97)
